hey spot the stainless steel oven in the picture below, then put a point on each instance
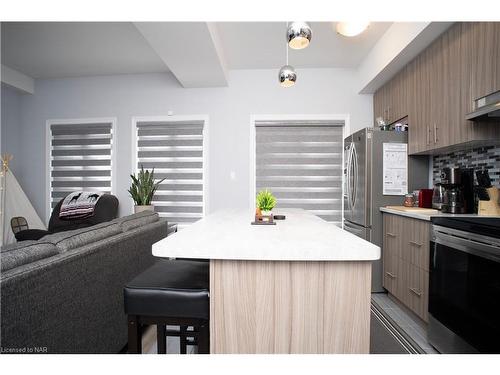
(464, 285)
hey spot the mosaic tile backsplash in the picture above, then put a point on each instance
(479, 158)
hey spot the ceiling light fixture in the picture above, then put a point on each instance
(298, 35)
(287, 75)
(352, 28)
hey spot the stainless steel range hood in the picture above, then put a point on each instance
(486, 108)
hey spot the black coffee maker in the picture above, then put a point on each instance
(458, 184)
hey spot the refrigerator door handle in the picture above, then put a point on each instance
(354, 190)
(348, 177)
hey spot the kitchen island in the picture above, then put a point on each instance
(300, 286)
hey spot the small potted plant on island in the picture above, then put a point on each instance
(265, 204)
(143, 189)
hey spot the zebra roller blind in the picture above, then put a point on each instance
(301, 163)
(175, 150)
(80, 158)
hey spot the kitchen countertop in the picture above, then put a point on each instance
(427, 217)
(301, 237)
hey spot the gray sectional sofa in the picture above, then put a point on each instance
(64, 292)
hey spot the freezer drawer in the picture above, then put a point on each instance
(358, 230)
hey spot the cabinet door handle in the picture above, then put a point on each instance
(416, 244)
(428, 134)
(391, 275)
(391, 234)
(416, 291)
(435, 133)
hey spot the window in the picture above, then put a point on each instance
(174, 147)
(80, 157)
(301, 163)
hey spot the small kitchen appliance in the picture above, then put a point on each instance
(458, 184)
(437, 196)
(425, 198)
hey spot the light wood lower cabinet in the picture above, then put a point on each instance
(406, 261)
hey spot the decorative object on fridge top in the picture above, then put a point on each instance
(400, 126)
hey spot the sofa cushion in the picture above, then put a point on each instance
(72, 239)
(25, 252)
(31, 234)
(137, 220)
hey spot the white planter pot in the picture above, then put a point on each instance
(266, 213)
(138, 209)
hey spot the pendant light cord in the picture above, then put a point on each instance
(286, 44)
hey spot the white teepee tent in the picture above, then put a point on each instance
(13, 202)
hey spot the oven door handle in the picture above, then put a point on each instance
(482, 246)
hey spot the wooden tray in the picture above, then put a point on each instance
(263, 223)
(418, 210)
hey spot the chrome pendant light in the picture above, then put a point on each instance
(287, 75)
(298, 35)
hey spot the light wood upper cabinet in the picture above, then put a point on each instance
(379, 105)
(485, 58)
(436, 90)
(419, 117)
(391, 100)
(398, 96)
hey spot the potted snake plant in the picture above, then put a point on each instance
(143, 189)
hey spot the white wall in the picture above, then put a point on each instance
(255, 92)
(11, 124)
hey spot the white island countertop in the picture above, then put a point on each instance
(301, 237)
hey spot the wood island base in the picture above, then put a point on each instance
(290, 306)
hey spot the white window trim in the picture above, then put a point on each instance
(48, 149)
(319, 117)
(166, 118)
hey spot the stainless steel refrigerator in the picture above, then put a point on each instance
(363, 186)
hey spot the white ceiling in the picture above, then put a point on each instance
(64, 49)
(191, 50)
(261, 45)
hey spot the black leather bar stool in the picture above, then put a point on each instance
(171, 292)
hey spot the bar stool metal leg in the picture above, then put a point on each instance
(183, 339)
(161, 338)
(204, 339)
(134, 335)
